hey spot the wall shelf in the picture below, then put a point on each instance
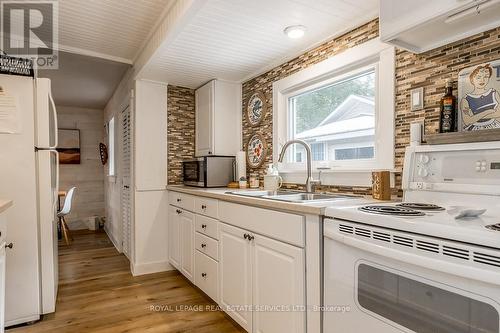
(463, 137)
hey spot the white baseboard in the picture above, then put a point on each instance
(149, 268)
(112, 238)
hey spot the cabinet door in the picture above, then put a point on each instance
(2, 287)
(204, 119)
(174, 250)
(187, 244)
(235, 290)
(278, 280)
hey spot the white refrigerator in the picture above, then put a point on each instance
(29, 175)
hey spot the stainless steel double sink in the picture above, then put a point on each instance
(291, 196)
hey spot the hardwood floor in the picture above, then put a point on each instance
(98, 294)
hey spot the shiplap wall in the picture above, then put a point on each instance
(88, 176)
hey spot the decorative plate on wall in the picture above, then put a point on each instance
(256, 108)
(256, 151)
(103, 151)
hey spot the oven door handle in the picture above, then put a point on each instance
(462, 270)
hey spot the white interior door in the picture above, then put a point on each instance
(126, 192)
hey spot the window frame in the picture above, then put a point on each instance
(372, 54)
(111, 147)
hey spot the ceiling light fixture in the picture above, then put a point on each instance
(295, 31)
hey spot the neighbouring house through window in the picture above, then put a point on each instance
(339, 116)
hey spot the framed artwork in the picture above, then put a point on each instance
(256, 108)
(69, 146)
(256, 151)
(478, 97)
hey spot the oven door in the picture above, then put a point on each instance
(383, 281)
(193, 172)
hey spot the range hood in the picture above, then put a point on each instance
(419, 26)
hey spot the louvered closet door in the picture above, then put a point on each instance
(126, 195)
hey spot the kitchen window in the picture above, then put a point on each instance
(111, 147)
(344, 108)
(318, 151)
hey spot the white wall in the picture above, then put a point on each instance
(88, 176)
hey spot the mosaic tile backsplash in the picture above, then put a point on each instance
(180, 133)
(428, 70)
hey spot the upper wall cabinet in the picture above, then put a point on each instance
(218, 106)
(150, 127)
(423, 25)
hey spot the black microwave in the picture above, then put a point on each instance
(209, 171)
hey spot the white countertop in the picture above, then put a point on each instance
(317, 208)
(4, 204)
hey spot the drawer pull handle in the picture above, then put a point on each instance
(10, 245)
(203, 226)
(179, 199)
(203, 207)
(250, 238)
(203, 245)
(246, 236)
(203, 274)
(178, 211)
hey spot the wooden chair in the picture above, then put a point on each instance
(65, 211)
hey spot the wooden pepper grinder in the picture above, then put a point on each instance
(381, 185)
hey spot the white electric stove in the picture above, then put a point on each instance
(412, 266)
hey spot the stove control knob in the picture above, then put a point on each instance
(424, 159)
(423, 173)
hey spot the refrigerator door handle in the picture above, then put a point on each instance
(56, 192)
(56, 139)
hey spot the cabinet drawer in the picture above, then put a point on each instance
(207, 245)
(207, 275)
(181, 200)
(281, 226)
(207, 226)
(207, 207)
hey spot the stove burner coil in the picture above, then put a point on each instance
(390, 210)
(494, 227)
(420, 206)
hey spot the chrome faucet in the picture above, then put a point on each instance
(310, 182)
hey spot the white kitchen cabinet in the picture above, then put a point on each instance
(174, 237)
(218, 105)
(181, 240)
(262, 273)
(150, 131)
(186, 222)
(3, 245)
(144, 188)
(207, 275)
(278, 276)
(419, 26)
(235, 274)
(2, 287)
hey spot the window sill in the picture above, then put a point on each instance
(361, 178)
